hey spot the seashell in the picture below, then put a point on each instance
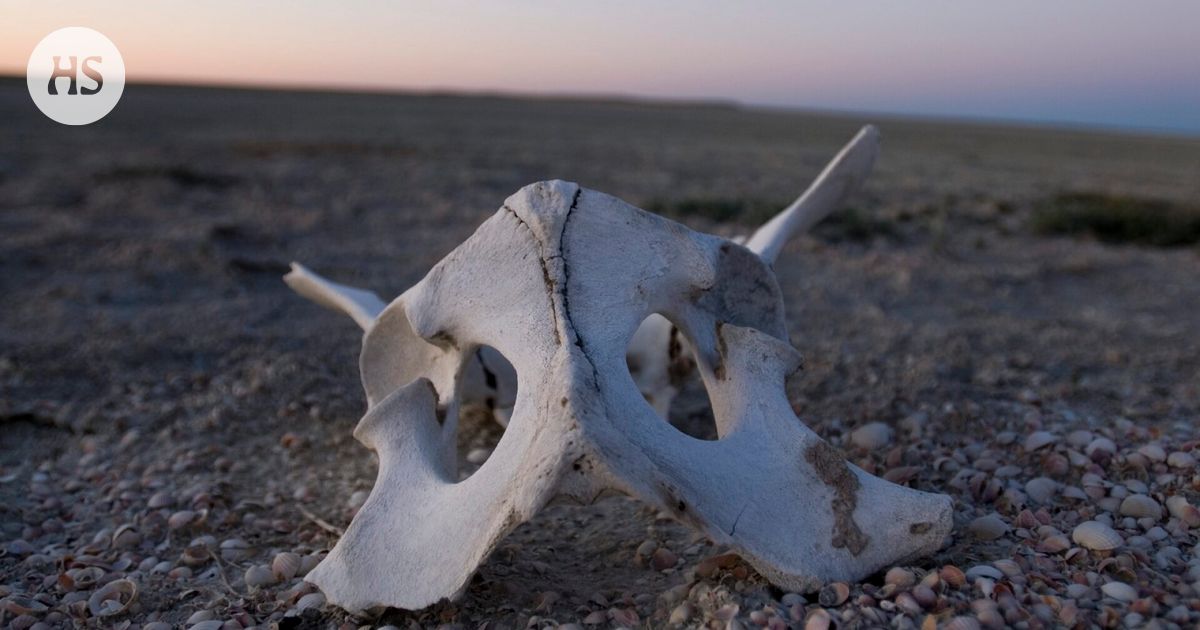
(312, 600)
(1080, 438)
(85, 578)
(1141, 506)
(925, 595)
(195, 555)
(1153, 452)
(1041, 489)
(478, 455)
(1100, 448)
(645, 549)
(818, 619)
(1055, 543)
(726, 612)
(834, 594)
(1120, 591)
(595, 618)
(22, 605)
(1096, 536)
(989, 527)
(1179, 459)
(680, 614)
(160, 500)
(907, 603)
(201, 615)
(1038, 439)
(663, 559)
(953, 576)
(901, 578)
(871, 436)
(234, 549)
(984, 571)
(309, 562)
(1008, 567)
(285, 565)
(126, 537)
(962, 623)
(1179, 507)
(258, 576)
(113, 598)
(181, 519)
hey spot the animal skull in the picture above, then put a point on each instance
(559, 281)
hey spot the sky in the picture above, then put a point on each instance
(1109, 63)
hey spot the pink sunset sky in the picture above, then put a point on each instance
(1084, 62)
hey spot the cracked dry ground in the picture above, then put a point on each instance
(174, 420)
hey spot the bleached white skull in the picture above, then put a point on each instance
(558, 281)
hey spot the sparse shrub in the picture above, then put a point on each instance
(1119, 219)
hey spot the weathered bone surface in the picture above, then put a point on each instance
(558, 282)
(658, 356)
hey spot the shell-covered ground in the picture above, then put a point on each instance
(175, 446)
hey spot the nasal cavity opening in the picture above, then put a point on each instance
(662, 363)
(488, 393)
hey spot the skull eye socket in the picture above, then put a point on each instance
(662, 365)
(488, 392)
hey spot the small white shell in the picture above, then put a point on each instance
(1041, 489)
(1179, 459)
(1096, 536)
(113, 598)
(258, 576)
(871, 436)
(1120, 591)
(1038, 439)
(285, 565)
(1141, 506)
(1153, 452)
(1179, 507)
(1100, 445)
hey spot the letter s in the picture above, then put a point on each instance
(92, 74)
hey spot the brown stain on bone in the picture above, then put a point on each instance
(831, 467)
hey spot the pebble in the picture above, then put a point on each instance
(871, 436)
(989, 527)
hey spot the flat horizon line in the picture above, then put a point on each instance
(617, 98)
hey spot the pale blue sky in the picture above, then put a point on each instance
(1089, 62)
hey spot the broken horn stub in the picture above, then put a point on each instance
(558, 281)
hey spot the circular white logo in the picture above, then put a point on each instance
(75, 75)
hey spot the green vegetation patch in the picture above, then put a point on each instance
(1119, 219)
